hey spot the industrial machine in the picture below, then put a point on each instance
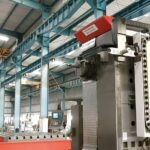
(57, 121)
(77, 127)
(116, 74)
(38, 141)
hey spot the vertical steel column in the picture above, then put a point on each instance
(17, 94)
(2, 100)
(63, 99)
(30, 102)
(44, 77)
(98, 6)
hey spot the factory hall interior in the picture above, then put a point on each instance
(74, 74)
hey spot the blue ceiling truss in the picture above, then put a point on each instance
(137, 9)
(15, 34)
(35, 5)
(52, 24)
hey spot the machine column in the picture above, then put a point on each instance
(2, 100)
(44, 85)
(17, 95)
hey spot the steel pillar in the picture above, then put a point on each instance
(2, 100)
(44, 77)
(63, 99)
(44, 41)
(17, 95)
(98, 6)
(30, 101)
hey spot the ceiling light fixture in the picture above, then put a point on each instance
(4, 38)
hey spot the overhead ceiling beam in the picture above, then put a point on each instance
(17, 35)
(99, 6)
(34, 5)
(137, 9)
(109, 1)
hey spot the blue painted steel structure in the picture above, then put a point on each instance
(64, 49)
(33, 4)
(138, 8)
(62, 90)
(15, 34)
(98, 6)
(30, 101)
(53, 22)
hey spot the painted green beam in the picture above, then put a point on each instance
(11, 33)
(33, 4)
(136, 9)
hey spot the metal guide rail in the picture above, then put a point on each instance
(18, 137)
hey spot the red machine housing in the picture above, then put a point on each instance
(94, 29)
(37, 145)
(2, 139)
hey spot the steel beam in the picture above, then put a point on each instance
(33, 4)
(99, 6)
(30, 101)
(138, 8)
(63, 99)
(68, 30)
(11, 33)
(109, 1)
(17, 96)
(64, 13)
(63, 50)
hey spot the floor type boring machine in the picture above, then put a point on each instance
(116, 84)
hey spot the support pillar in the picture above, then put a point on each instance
(63, 99)
(98, 6)
(17, 95)
(2, 100)
(30, 102)
(44, 85)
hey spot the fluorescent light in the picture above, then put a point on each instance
(11, 84)
(4, 38)
(58, 62)
(34, 73)
(146, 15)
